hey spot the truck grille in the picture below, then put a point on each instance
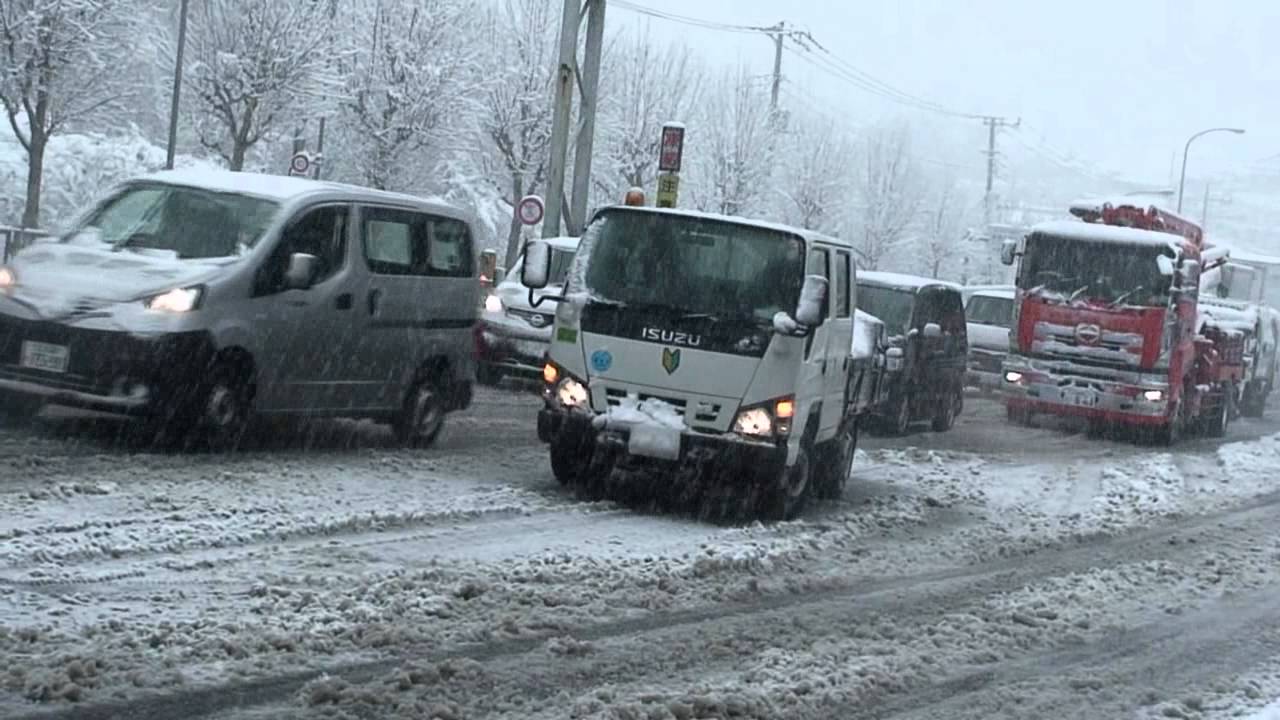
(1111, 348)
(705, 413)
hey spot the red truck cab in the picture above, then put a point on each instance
(1106, 325)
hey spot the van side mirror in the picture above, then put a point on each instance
(1008, 251)
(301, 273)
(932, 330)
(536, 273)
(812, 310)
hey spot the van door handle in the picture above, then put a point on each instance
(344, 301)
(374, 297)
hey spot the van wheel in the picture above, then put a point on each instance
(899, 420)
(489, 375)
(784, 496)
(836, 465)
(422, 417)
(18, 409)
(945, 418)
(215, 418)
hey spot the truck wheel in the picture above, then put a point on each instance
(1215, 422)
(836, 464)
(489, 375)
(575, 464)
(945, 417)
(422, 417)
(784, 496)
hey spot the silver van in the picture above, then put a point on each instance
(194, 300)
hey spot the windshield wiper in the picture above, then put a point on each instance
(1078, 292)
(1124, 296)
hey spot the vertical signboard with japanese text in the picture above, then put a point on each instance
(670, 157)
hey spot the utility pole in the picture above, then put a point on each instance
(587, 129)
(562, 109)
(778, 33)
(993, 124)
(177, 87)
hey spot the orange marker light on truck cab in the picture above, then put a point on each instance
(785, 409)
(550, 374)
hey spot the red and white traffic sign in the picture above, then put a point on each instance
(530, 210)
(671, 150)
(300, 164)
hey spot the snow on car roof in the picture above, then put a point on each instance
(285, 188)
(993, 293)
(563, 243)
(899, 280)
(1094, 232)
(808, 235)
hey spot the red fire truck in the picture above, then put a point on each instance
(1107, 325)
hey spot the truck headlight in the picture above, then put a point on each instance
(1153, 395)
(493, 304)
(8, 279)
(177, 300)
(572, 394)
(771, 419)
(1013, 377)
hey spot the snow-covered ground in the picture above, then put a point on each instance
(352, 579)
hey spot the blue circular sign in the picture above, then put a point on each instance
(601, 360)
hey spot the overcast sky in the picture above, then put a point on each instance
(1119, 84)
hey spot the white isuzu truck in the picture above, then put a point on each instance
(712, 350)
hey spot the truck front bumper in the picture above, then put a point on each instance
(733, 453)
(1070, 389)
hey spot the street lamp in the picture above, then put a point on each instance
(1183, 180)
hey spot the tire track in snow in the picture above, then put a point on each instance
(926, 594)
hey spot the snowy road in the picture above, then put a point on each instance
(988, 572)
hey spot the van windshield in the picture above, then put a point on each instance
(985, 310)
(189, 223)
(693, 265)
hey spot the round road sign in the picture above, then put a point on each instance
(299, 164)
(531, 210)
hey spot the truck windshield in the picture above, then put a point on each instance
(892, 305)
(694, 265)
(188, 222)
(984, 310)
(1071, 270)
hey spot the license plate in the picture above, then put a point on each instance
(531, 349)
(650, 441)
(1080, 398)
(46, 357)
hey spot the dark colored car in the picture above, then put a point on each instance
(928, 348)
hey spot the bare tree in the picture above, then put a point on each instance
(889, 190)
(649, 85)
(407, 82)
(943, 237)
(515, 118)
(738, 140)
(815, 175)
(252, 63)
(57, 66)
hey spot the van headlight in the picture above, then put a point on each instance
(493, 304)
(8, 279)
(177, 300)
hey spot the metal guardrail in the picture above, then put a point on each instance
(13, 239)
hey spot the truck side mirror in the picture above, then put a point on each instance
(1166, 265)
(536, 273)
(301, 272)
(1008, 251)
(812, 310)
(932, 330)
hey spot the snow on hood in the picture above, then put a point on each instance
(988, 337)
(54, 278)
(1228, 318)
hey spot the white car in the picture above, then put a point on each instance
(514, 335)
(989, 316)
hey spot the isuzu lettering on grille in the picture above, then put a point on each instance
(671, 337)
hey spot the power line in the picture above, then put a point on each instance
(687, 20)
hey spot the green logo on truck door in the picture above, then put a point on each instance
(670, 360)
